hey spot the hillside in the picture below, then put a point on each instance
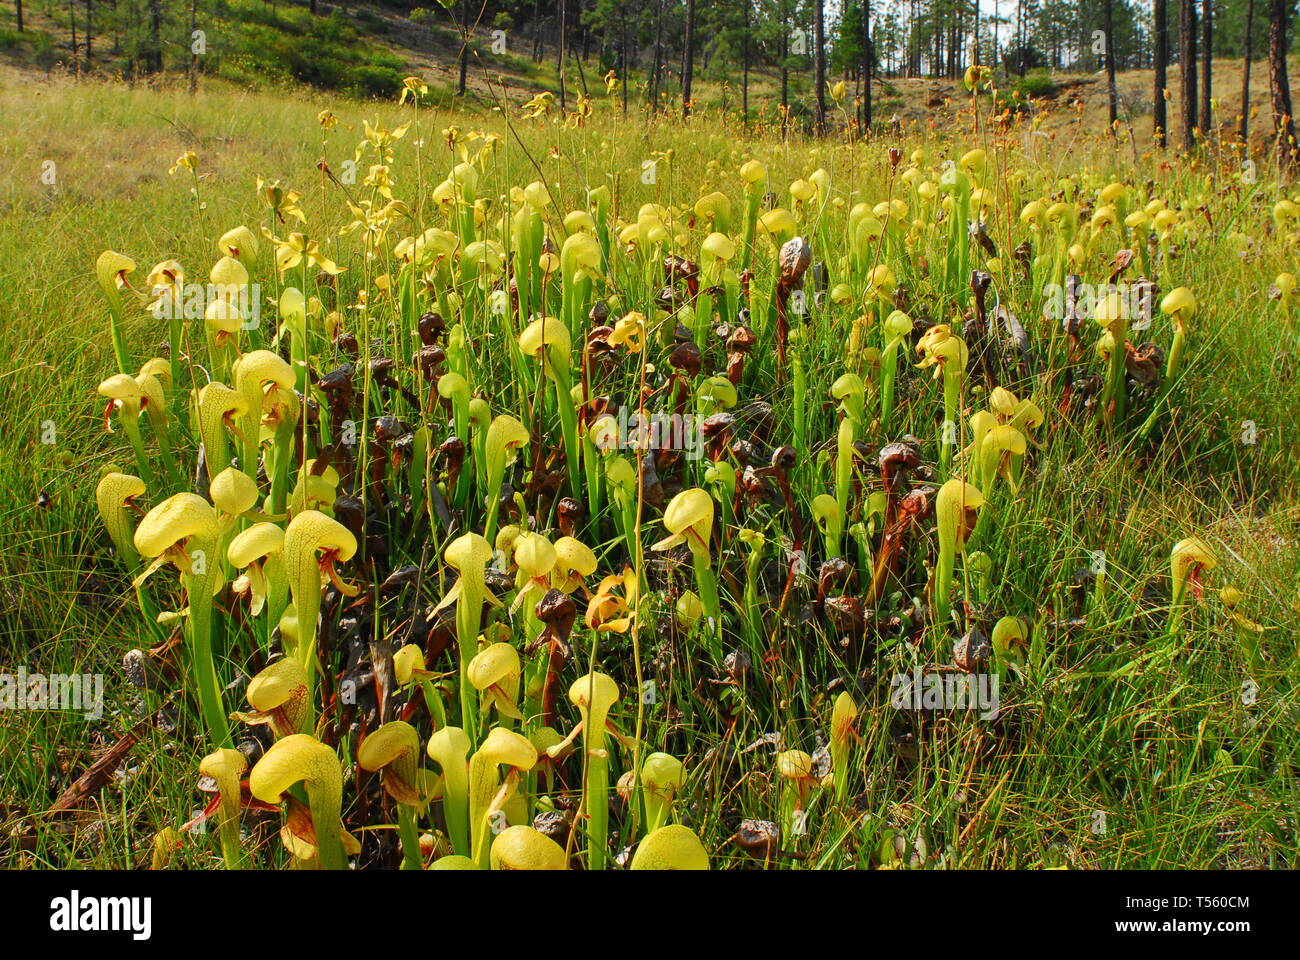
(364, 50)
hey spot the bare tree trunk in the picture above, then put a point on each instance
(744, 77)
(688, 60)
(1112, 93)
(1187, 58)
(1245, 76)
(1279, 85)
(785, 70)
(1160, 57)
(1207, 67)
(659, 53)
(463, 59)
(18, 10)
(559, 57)
(866, 67)
(72, 26)
(819, 63)
(194, 57)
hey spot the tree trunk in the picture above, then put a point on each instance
(194, 57)
(1112, 93)
(559, 56)
(744, 76)
(866, 66)
(18, 10)
(1279, 85)
(72, 26)
(1245, 75)
(819, 63)
(688, 61)
(1187, 60)
(1160, 58)
(785, 70)
(659, 53)
(1207, 68)
(463, 60)
(90, 33)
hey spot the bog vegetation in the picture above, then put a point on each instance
(514, 493)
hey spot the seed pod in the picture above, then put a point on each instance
(971, 652)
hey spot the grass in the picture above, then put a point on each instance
(1108, 714)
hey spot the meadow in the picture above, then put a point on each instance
(955, 402)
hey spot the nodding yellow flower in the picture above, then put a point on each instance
(327, 119)
(629, 331)
(115, 496)
(942, 349)
(673, 847)
(612, 83)
(303, 759)
(998, 448)
(258, 551)
(1188, 559)
(282, 201)
(280, 699)
(535, 556)
(801, 190)
(495, 672)
(487, 794)
(226, 767)
(290, 252)
(1179, 304)
(189, 160)
(524, 848)
(394, 750)
(609, 612)
(413, 87)
(449, 748)
(977, 77)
